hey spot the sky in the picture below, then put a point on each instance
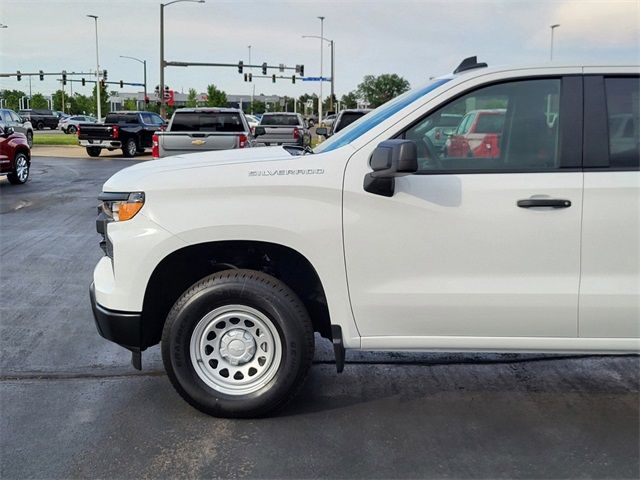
(416, 39)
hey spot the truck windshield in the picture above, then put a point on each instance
(280, 120)
(380, 114)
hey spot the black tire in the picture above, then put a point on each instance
(29, 136)
(130, 148)
(71, 129)
(40, 125)
(240, 289)
(21, 161)
(94, 151)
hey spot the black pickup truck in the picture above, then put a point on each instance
(130, 131)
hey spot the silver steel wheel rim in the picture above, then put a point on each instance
(132, 148)
(235, 349)
(22, 169)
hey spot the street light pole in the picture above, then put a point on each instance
(99, 109)
(332, 43)
(553, 27)
(253, 85)
(144, 64)
(321, 63)
(163, 109)
(332, 76)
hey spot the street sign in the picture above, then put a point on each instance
(316, 79)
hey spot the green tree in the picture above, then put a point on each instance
(215, 97)
(259, 107)
(378, 90)
(192, 98)
(130, 104)
(38, 101)
(82, 104)
(349, 100)
(12, 98)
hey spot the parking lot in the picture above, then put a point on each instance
(72, 405)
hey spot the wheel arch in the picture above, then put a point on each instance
(183, 267)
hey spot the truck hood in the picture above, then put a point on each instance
(132, 177)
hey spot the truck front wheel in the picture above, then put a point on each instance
(238, 343)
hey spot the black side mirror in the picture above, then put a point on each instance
(259, 131)
(390, 159)
(322, 131)
(8, 131)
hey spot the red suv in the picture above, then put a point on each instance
(477, 135)
(15, 156)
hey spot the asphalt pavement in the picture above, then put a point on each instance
(72, 406)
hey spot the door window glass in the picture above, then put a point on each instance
(623, 110)
(506, 127)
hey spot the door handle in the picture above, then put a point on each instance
(544, 202)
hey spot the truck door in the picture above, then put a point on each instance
(485, 246)
(610, 284)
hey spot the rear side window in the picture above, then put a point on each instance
(490, 122)
(623, 113)
(348, 119)
(122, 118)
(229, 122)
(280, 120)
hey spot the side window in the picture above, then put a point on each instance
(14, 116)
(4, 116)
(505, 127)
(147, 118)
(623, 113)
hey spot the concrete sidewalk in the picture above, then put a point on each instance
(76, 151)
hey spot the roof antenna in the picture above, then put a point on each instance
(469, 63)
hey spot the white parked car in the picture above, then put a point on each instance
(70, 124)
(379, 241)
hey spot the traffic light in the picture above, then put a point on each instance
(293, 79)
(121, 84)
(146, 100)
(64, 77)
(246, 77)
(18, 75)
(251, 77)
(84, 82)
(104, 75)
(264, 68)
(300, 70)
(41, 75)
(102, 83)
(273, 78)
(240, 66)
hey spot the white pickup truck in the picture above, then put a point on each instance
(527, 241)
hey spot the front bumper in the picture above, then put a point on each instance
(123, 328)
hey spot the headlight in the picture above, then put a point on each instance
(119, 207)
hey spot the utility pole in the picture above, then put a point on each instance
(99, 106)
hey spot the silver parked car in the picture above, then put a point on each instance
(70, 124)
(9, 118)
